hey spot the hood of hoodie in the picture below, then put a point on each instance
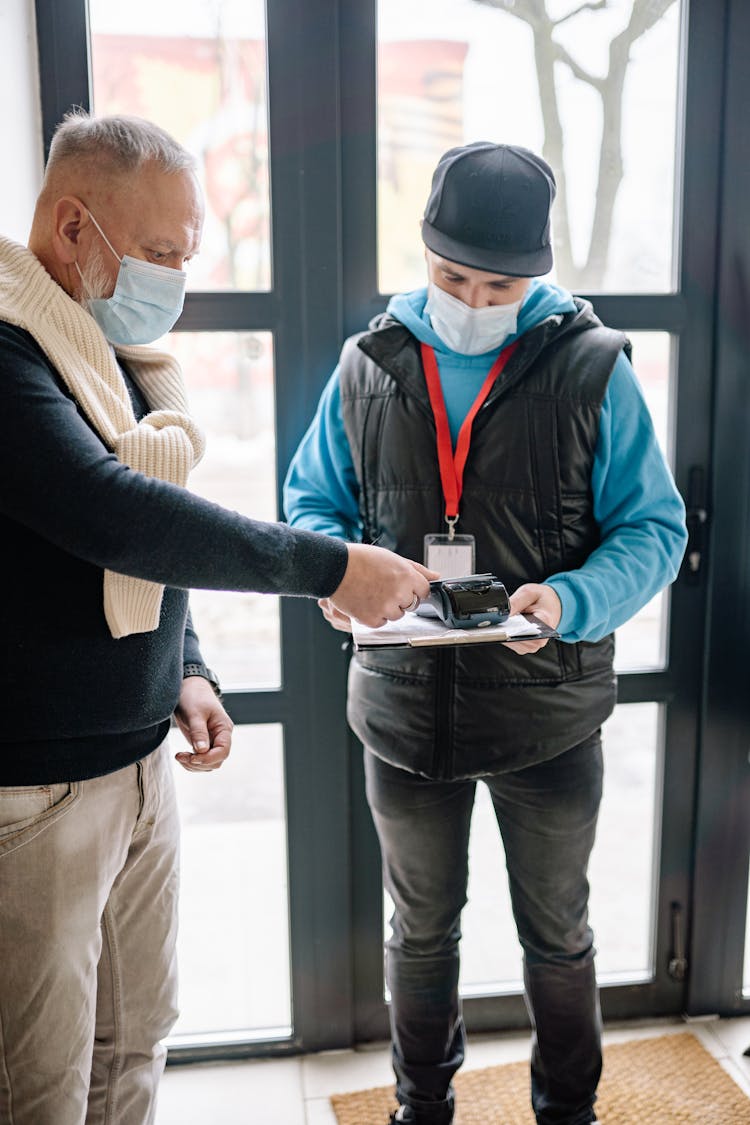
(542, 300)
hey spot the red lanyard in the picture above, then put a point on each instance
(452, 465)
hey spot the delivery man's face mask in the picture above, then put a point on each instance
(146, 302)
(466, 330)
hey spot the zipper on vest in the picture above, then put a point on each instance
(442, 760)
(370, 533)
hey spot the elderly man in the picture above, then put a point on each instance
(495, 408)
(101, 542)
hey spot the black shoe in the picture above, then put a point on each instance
(405, 1115)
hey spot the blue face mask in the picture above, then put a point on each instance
(146, 302)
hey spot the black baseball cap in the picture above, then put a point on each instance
(489, 209)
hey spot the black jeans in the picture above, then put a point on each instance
(547, 817)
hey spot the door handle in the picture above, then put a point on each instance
(678, 964)
(696, 519)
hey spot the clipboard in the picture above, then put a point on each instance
(412, 631)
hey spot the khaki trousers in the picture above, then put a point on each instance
(88, 919)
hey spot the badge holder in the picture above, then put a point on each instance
(451, 556)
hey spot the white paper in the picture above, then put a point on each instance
(416, 631)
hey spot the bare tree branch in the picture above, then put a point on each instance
(562, 55)
(582, 8)
(532, 12)
(644, 15)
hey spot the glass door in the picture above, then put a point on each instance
(251, 91)
(203, 78)
(607, 97)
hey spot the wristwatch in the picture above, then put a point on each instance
(205, 673)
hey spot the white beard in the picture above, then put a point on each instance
(97, 283)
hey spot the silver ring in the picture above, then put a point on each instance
(412, 604)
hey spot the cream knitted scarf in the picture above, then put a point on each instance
(165, 444)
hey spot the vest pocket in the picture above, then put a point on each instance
(570, 661)
(556, 663)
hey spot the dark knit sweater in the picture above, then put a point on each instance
(78, 702)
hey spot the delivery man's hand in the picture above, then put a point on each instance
(544, 603)
(334, 616)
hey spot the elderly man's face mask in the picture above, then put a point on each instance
(146, 303)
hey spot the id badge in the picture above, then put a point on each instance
(451, 558)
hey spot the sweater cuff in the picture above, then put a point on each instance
(567, 623)
(322, 560)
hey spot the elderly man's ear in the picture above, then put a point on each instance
(69, 218)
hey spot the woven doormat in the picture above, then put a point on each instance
(671, 1080)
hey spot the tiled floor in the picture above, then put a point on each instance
(295, 1091)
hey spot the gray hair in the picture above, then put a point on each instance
(124, 143)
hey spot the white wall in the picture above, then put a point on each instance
(21, 145)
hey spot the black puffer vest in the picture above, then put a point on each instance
(463, 712)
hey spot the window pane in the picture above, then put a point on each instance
(229, 376)
(206, 85)
(19, 88)
(625, 857)
(233, 944)
(642, 641)
(453, 71)
(622, 888)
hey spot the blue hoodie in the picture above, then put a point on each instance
(636, 504)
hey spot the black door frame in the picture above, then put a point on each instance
(723, 806)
